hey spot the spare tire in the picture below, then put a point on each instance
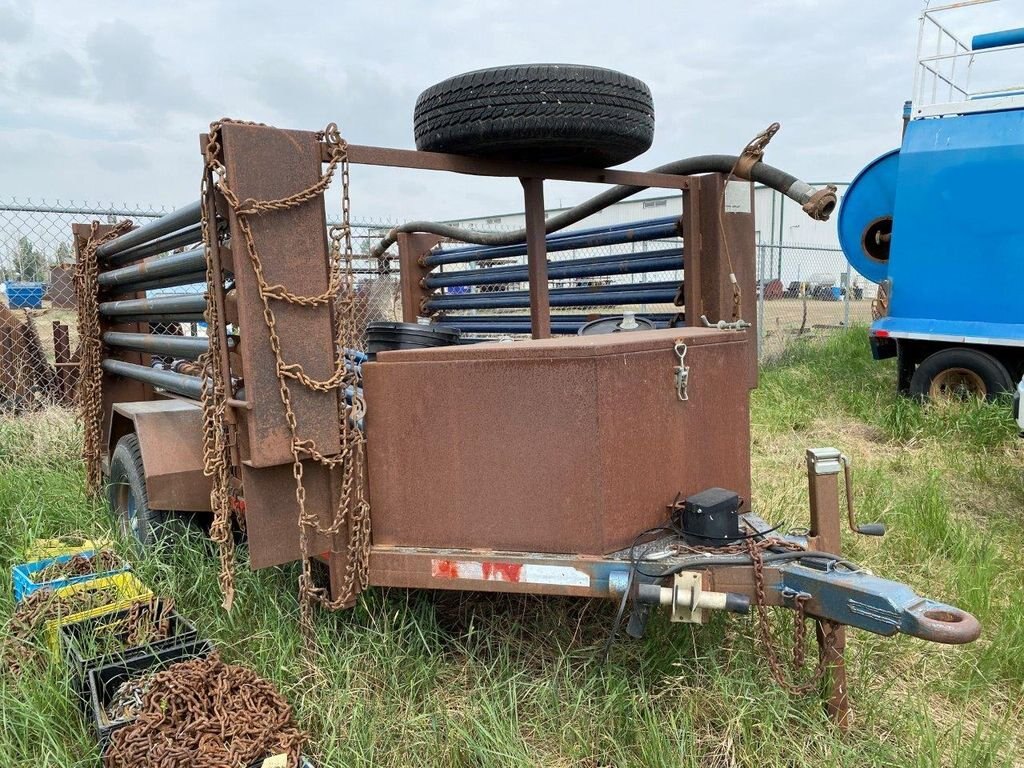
(555, 113)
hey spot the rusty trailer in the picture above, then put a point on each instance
(582, 465)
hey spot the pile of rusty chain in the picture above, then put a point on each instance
(204, 713)
(755, 548)
(79, 565)
(91, 350)
(351, 516)
(17, 645)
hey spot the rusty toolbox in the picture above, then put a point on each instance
(555, 445)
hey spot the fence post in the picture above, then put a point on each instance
(760, 300)
(846, 298)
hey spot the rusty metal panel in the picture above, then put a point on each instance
(170, 438)
(569, 445)
(272, 513)
(268, 163)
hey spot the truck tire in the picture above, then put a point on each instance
(959, 372)
(554, 113)
(126, 492)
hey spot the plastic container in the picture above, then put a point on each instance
(385, 336)
(25, 295)
(103, 681)
(81, 658)
(43, 548)
(24, 575)
(127, 590)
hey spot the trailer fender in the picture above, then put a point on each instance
(170, 438)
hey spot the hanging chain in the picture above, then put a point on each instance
(351, 516)
(771, 644)
(90, 378)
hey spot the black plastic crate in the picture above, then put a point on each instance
(80, 657)
(104, 680)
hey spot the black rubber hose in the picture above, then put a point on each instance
(818, 203)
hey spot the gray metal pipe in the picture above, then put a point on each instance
(182, 317)
(180, 239)
(186, 216)
(158, 305)
(179, 383)
(192, 278)
(188, 347)
(155, 267)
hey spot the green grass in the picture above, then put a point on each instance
(431, 679)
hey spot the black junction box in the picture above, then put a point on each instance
(711, 518)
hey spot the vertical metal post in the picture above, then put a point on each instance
(823, 468)
(537, 258)
(62, 361)
(760, 300)
(846, 298)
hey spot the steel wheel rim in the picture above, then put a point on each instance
(127, 512)
(957, 384)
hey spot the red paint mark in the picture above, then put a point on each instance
(444, 569)
(501, 571)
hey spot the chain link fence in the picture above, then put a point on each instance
(805, 290)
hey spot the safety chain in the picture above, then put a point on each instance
(90, 378)
(351, 516)
(768, 639)
(755, 548)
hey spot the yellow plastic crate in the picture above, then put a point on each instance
(42, 549)
(127, 587)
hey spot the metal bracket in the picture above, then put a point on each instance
(682, 372)
(737, 325)
(686, 589)
(825, 460)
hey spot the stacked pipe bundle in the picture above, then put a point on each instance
(460, 290)
(141, 260)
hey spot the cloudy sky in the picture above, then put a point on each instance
(103, 101)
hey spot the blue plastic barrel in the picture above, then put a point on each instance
(25, 295)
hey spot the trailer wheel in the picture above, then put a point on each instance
(564, 113)
(127, 494)
(959, 373)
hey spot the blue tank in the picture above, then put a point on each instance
(939, 224)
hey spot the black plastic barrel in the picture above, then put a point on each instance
(385, 336)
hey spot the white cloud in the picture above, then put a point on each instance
(105, 100)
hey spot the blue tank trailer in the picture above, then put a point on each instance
(939, 225)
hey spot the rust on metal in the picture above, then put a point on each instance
(169, 433)
(438, 161)
(470, 445)
(263, 164)
(537, 258)
(826, 536)
(411, 249)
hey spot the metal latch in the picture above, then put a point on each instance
(682, 373)
(737, 325)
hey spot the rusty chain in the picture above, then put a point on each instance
(768, 639)
(755, 548)
(351, 515)
(79, 565)
(204, 713)
(90, 376)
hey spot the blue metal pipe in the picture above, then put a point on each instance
(645, 293)
(614, 264)
(498, 324)
(997, 39)
(566, 241)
